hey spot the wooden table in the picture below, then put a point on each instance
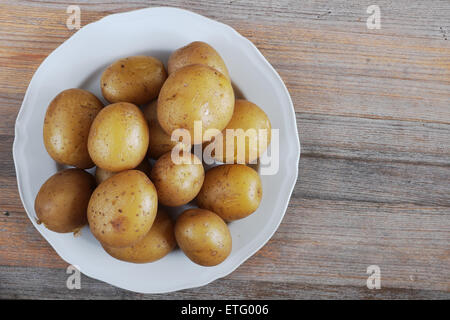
(373, 112)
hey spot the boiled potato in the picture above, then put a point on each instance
(203, 236)
(122, 209)
(118, 139)
(160, 142)
(135, 79)
(252, 134)
(158, 242)
(177, 184)
(66, 127)
(61, 203)
(197, 52)
(195, 93)
(102, 174)
(233, 191)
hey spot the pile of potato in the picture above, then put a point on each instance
(126, 203)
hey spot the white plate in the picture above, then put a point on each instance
(79, 61)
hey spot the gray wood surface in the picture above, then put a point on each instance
(373, 113)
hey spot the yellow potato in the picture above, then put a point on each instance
(102, 174)
(61, 203)
(195, 93)
(160, 142)
(252, 134)
(177, 184)
(122, 209)
(135, 79)
(66, 126)
(203, 236)
(118, 139)
(158, 242)
(233, 191)
(197, 52)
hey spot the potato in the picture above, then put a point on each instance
(61, 203)
(177, 184)
(122, 209)
(233, 191)
(118, 139)
(160, 142)
(66, 127)
(197, 52)
(203, 236)
(102, 174)
(195, 93)
(250, 141)
(135, 79)
(158, 242)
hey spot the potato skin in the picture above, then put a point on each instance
(62, 201)
(102, 174)
(118, 139)
(197, 52)
(157, 243)
(177, 184)
(135, 79)
(247, 115)
(203, 236)
(233, 191)
(195, 93)
(122, 209)
(160, 141)
(66, 127)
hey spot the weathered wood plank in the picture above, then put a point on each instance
(43, 283)
(319, 242)
(415, 18)
(21, 244)
(333, 242)
(331, 63)
(374, 139)
(359, 180)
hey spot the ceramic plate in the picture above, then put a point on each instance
(79, 62)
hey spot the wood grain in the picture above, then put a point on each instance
(25, 283)
(373, 113)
